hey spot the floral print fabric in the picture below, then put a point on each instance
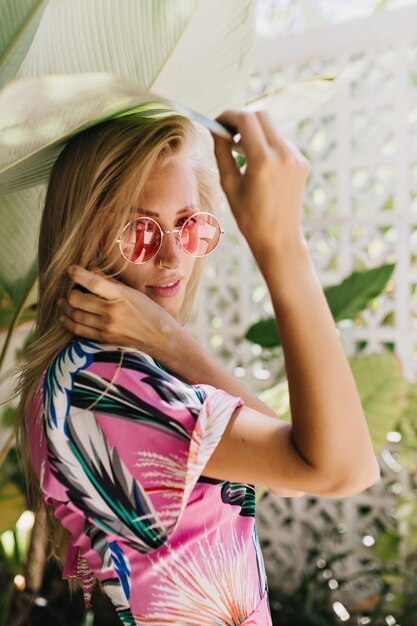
(119, 444)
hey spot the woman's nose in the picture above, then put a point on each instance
(170, 249)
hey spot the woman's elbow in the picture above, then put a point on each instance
(354, 483)
(287, 493)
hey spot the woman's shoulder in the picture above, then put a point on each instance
(85, 354)
(79, 353)
(99, 362)
(114, 379)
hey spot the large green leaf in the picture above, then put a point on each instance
(265, 333)
(345, 301)
(193, 51)
(383, 392)
(294, 102)
(354, 293)
(387, 545)
(196, 50)
(277, 398)
(19, 217)
(39, 116)
(18, 24)
(7, 315)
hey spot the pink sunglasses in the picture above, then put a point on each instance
(141, 238)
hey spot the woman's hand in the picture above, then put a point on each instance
(117, 314)
(267, 199)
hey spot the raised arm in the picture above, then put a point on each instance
(329, 430)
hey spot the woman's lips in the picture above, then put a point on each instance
(167, 291)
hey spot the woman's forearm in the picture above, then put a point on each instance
(329, 428)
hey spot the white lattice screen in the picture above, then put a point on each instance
(360, 212)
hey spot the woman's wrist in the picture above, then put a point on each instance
(187, 358)
(164, 345)
(280, 256)
(175, 347)
(282, 263)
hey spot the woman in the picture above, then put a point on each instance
(144, 447)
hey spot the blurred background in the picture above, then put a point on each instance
(339, 79)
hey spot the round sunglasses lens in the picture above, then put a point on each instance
(140, 240)
(200, 234)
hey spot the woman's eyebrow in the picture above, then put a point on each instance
(186, 208)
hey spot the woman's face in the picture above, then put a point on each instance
(169, 196)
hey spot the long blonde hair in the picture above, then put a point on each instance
(93, 190)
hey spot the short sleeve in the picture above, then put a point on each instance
(127, 440)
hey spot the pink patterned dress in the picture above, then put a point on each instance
(119, 444)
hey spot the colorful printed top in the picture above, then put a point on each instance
(119, 444)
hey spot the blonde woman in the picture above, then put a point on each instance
(143, 446)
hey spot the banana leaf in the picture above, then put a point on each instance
(40, 115)
(195, 51)
(19, 217)
(19, 21)
(7, 315)
(292, 103)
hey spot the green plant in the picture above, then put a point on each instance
(310, 603)
(345, 301)
(396, 545)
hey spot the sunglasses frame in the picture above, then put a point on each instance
(175, 230)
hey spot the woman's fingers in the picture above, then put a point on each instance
(272, 135)
(105, 287)
(112, 312)
(253, 142)
(246, 123)
(87, 314)
(76, 328)
(285, 147)
(79, 316)
(86, 301)
(229, 172)
(258, 133)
